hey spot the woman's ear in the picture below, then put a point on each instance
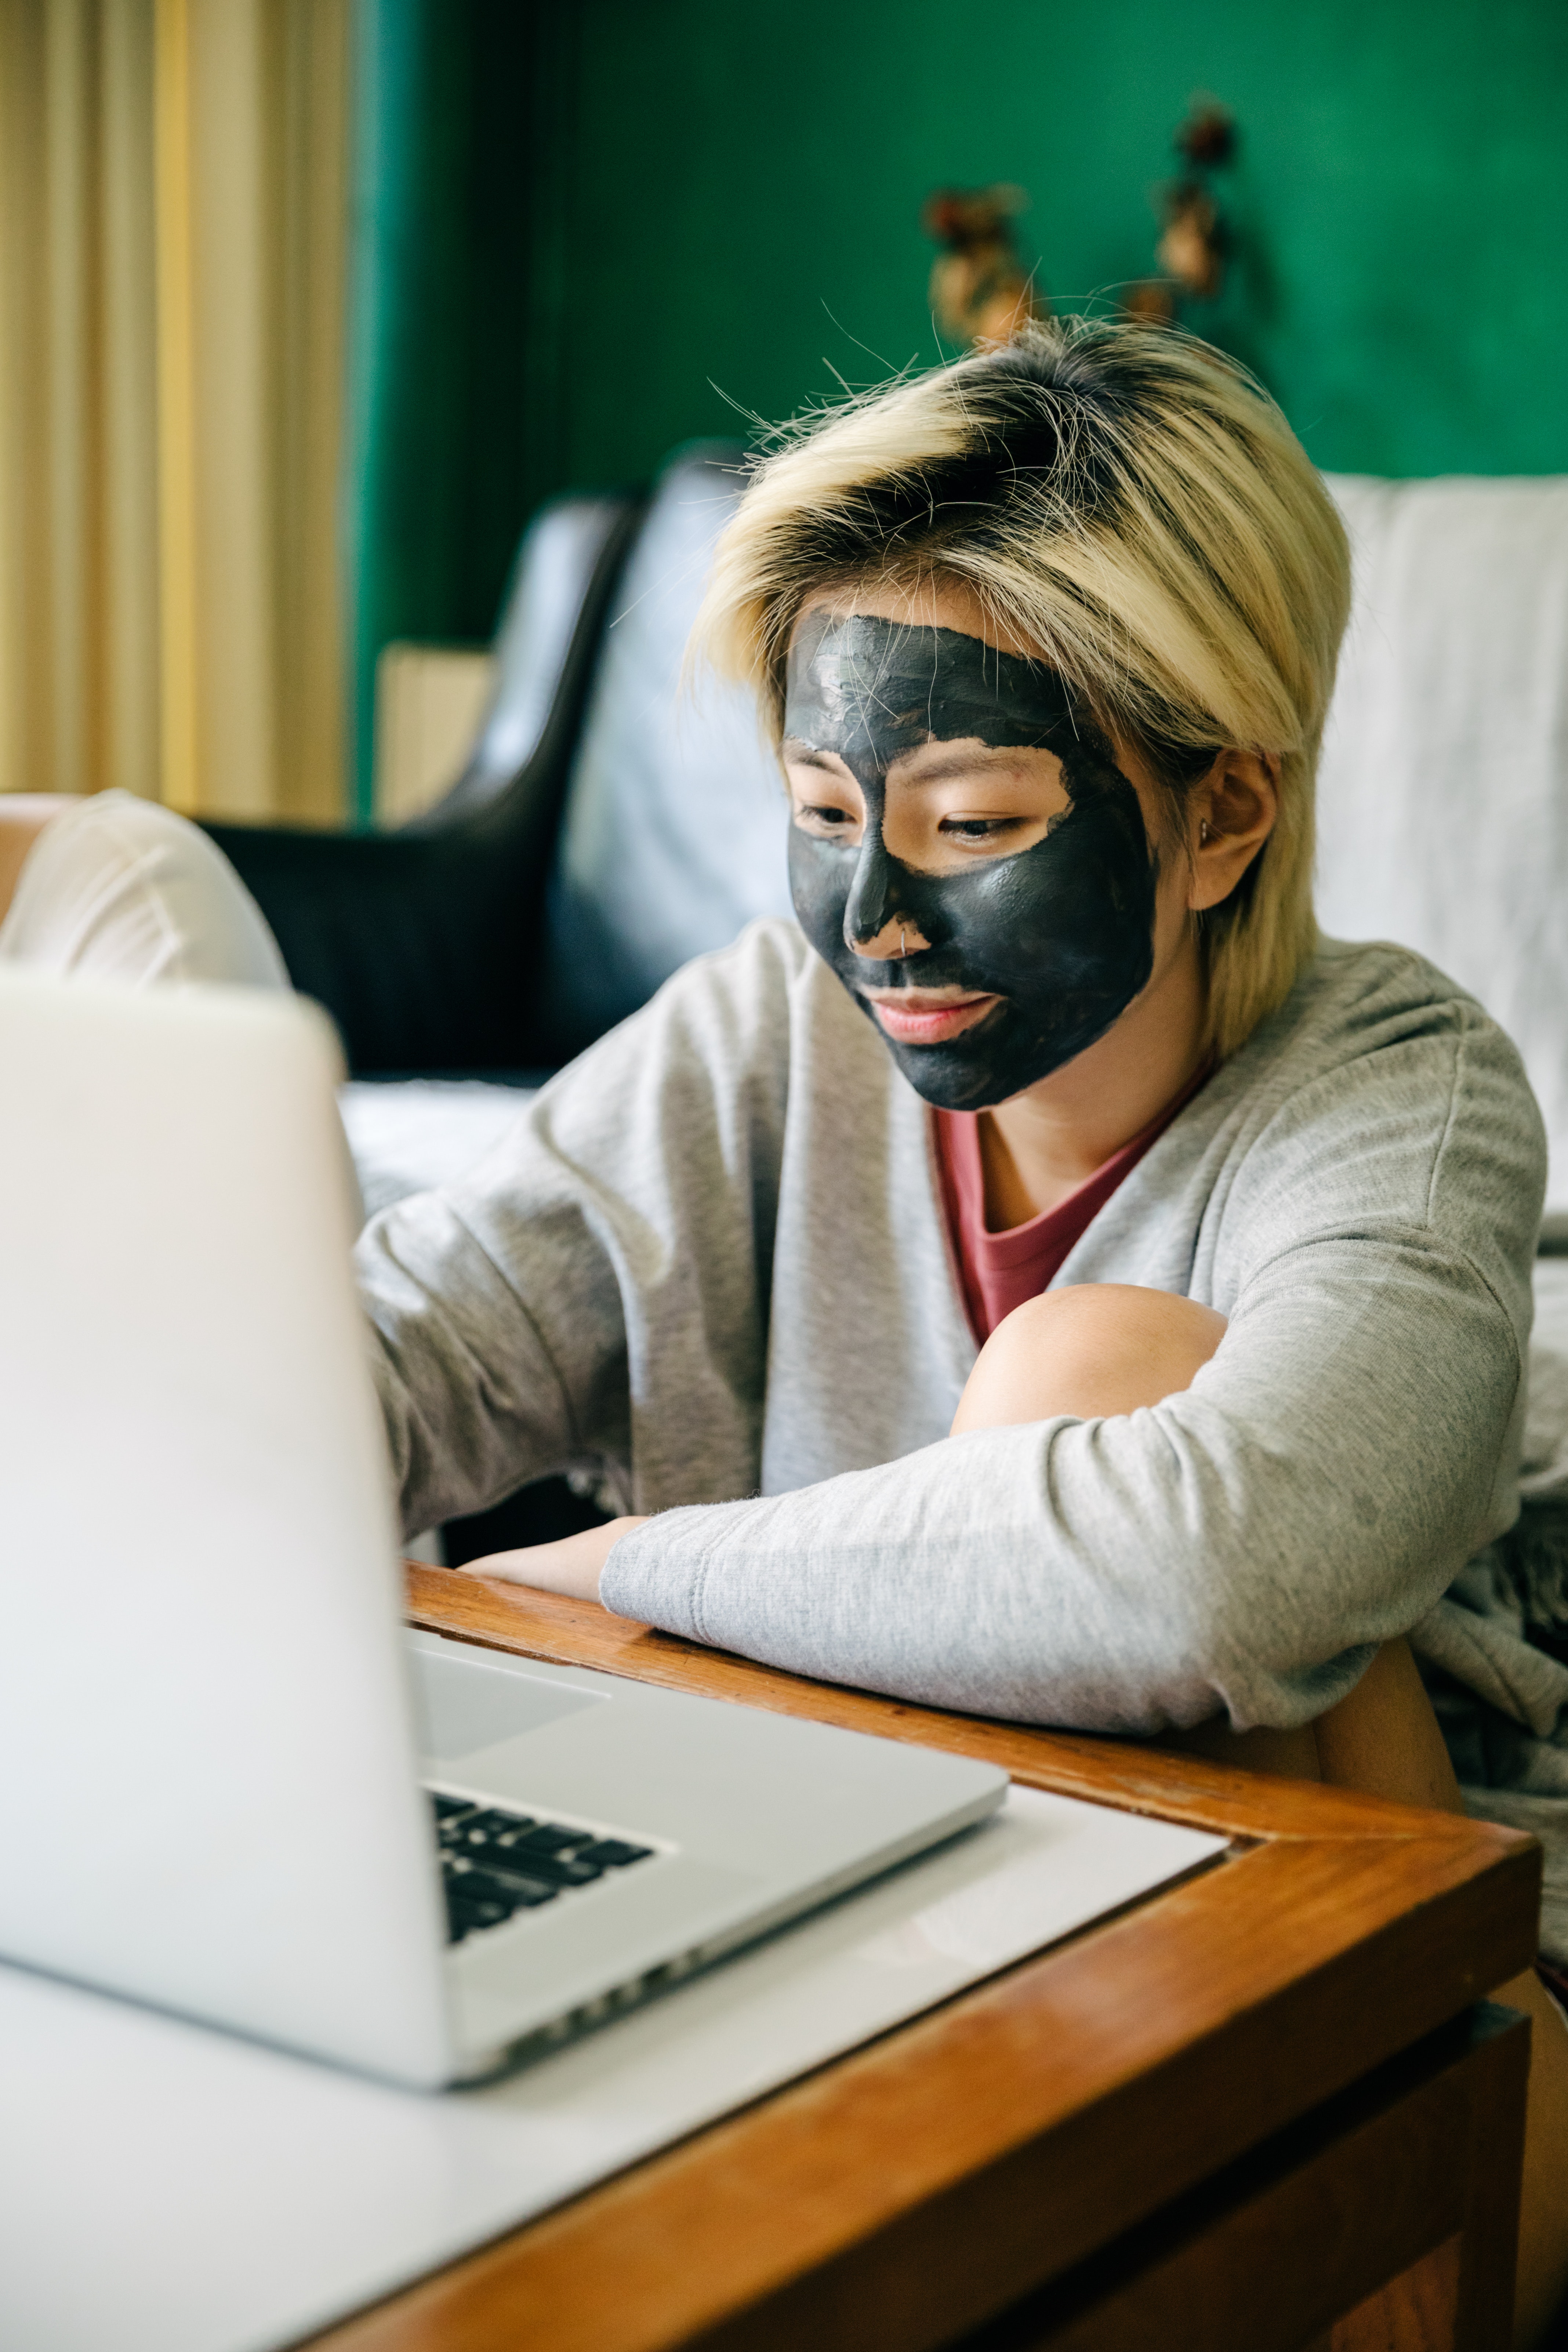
(1230, 815)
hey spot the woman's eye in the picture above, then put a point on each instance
(823, 819)
(978, 828)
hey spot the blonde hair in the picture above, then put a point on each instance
(1127, 503)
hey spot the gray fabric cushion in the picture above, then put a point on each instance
(674, 830)
(1443, 793)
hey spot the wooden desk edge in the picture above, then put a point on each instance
(1136, 1777)
(1377, 1923)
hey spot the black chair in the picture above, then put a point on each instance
(423, 944)
(605, 830)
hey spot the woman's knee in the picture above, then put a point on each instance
(1091, 1349)
(1384, 1738)
(117, 888)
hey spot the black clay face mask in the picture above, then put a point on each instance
(1061, 933)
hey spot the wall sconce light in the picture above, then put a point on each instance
(980, 290)
(1196, 241)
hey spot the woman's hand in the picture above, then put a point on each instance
(572, 1565)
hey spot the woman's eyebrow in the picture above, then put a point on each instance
(805, 755)
(958, 761)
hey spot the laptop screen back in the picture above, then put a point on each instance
(207, 1793)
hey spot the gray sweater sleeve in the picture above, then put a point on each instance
(594, 1295)
(1241, 1545)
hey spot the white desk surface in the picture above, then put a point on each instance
(166, 2189)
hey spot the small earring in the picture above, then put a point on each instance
(1202, 831)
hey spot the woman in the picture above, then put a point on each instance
(1048, 1282)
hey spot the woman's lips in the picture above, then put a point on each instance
(912, 1019)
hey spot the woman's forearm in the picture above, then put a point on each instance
(573, 1565)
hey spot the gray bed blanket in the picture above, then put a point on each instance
(1494, 1650)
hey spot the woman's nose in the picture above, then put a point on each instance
(875, 926)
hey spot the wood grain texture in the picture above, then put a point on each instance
(896, 2198)
(1416, 2311)
(1372, 2186)
(1484, 2309)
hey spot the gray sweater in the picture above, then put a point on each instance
(711, 1258)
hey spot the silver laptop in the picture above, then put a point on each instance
(230, 1783)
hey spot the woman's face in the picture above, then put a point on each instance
(974, 859)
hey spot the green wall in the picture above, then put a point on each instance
(746, 191)
(580, 223)
(454, 245)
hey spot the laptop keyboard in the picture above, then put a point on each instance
(496, 1863)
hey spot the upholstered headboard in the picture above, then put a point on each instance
(1443, 797)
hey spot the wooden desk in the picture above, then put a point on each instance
(1224, 2121)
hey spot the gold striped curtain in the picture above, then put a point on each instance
(173, 230)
